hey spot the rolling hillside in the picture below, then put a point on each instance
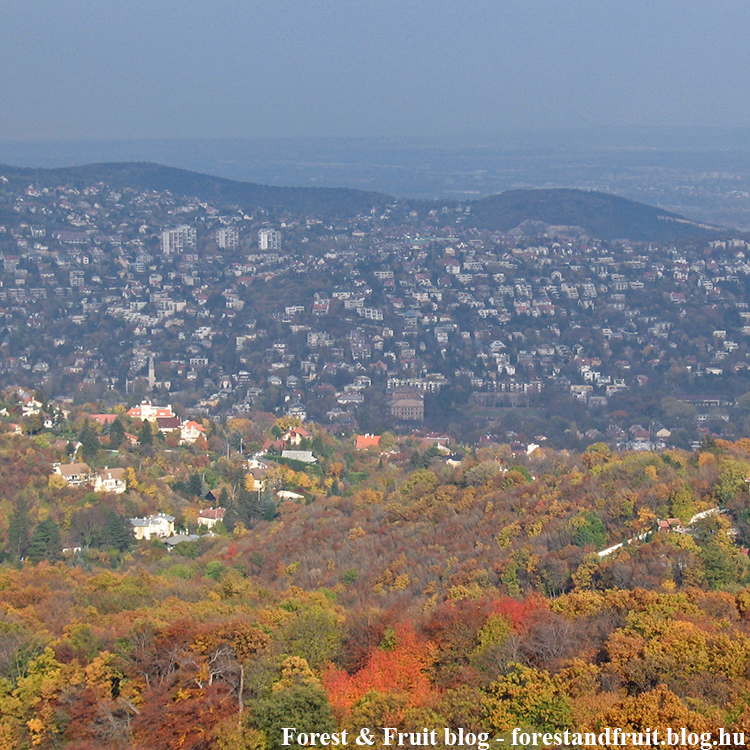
(602, 215)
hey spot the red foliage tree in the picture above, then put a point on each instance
(520, 613)
(402, 669)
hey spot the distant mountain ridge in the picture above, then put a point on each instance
(602, 215)
(329, 202)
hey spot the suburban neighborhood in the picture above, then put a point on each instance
(400, 320)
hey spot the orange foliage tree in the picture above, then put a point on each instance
(398, 666)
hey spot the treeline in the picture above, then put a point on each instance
(211, 660)
(406, 522)
(402, 590)
(452, 533)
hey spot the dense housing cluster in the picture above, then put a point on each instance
(389, 319)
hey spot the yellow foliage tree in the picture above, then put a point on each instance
(527, 697)
(657, 709)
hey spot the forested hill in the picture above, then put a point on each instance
(602, 215)
(323, 202)
(400, 590)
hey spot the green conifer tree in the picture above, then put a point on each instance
(268, 505)
(18, 529)
(89, 442)
(45, 543)
(145, 436)
(116, 532)
(116, 433)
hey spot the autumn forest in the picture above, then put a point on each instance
(398, 588)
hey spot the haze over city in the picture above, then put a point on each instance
(122, 70)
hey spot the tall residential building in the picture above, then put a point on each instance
(179, 239)
(228, 238)
(269, 239)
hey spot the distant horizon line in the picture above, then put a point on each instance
(456, 136)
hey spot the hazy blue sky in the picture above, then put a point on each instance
(246, 68)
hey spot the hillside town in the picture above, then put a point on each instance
(407, 320)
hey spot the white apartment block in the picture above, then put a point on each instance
(179, 239)
(228, 238)
(269, 239)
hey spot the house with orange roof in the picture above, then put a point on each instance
(30, 405)
(296, 435)
(367, 441)
(146, 410)
(103, 419)
(210, 516)
(191, 431)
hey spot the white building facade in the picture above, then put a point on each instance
(178, 240)
(269, 239)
